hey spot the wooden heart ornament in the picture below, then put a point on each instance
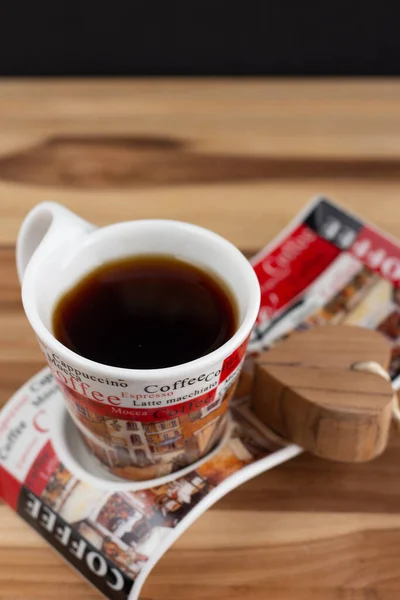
(307, 390)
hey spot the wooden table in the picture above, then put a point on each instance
(240, 157)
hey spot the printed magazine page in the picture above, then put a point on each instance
(329, 267)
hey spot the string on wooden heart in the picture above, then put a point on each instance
(375, 368)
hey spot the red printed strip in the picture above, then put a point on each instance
(378, 253)
(42, 469)
(87, 408)
(291, 267)
(9, 488)
(233, 361)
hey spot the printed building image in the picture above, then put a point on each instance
(114, 442)
(338, 308)
(165, 438)
(115, 524)
(373, 308)
(131, 436)
(103, 436)
(135, 435)
(59, 487)
(172, 497)
(155, 448)
(95, 422)
(121, 516)
(205, 427)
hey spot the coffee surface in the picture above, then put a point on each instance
(145, 312)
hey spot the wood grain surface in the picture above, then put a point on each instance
(307, 390)
(241, 157)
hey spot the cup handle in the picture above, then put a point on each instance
(43, 228)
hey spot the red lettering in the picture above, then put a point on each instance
(378, 253)
(114, 400)
(83, 387)
(161, 414)
(269, 268)
(61, 377)
(73, 383)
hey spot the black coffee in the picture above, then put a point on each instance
(145, 312)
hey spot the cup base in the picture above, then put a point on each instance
(78, 459)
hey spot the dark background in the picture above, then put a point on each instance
(166, 37)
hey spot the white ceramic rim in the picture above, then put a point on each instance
(250, 282)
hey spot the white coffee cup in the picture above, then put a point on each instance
(123, 413)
